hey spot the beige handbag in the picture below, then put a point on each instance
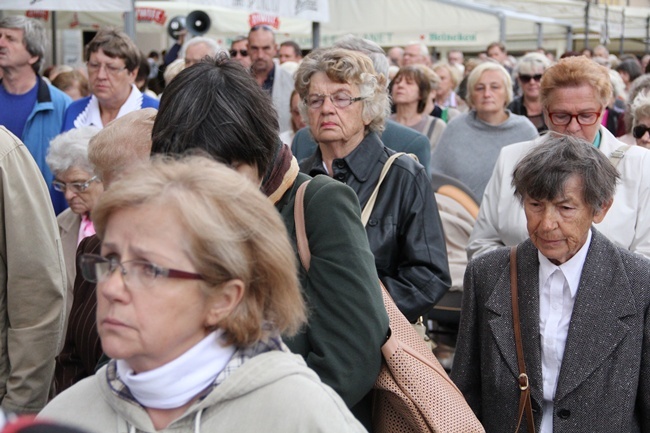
(413, 393)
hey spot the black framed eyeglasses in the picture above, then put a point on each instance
(585, 119)
(640, 130)
(526, 78)
(243, 53)
(340, 100)
(74, 186)
(140, 273)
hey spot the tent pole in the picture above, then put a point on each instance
(315, 34)
(569, 38)
(647, 35)
(620, 50)
(129, 21)
(540, 35)
(587, 24)
(54, 59)
(502, 28)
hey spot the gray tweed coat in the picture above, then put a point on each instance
(604, 382)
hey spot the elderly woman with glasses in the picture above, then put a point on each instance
(74, 177)
(528, 72)
(112, 60)
(346, 103)
(470, 144)
(575, 92)
(196, 281)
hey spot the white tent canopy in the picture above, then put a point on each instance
(69, 5)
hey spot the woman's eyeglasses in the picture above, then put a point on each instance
(525, 78)
(140, 273)
(74, 186)
(340, 100)
(584, 119)
(640, 130)
(94, 67)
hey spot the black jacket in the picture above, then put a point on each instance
(404, 229)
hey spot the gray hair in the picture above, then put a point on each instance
(531, 63)
(424, 50)
(640, 85)
(543, 173)
(70, 149)
(367, 47)
(640, 107)
(211, 43)
(33, 36)
(351, 67)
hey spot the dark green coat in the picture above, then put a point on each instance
(347, 319)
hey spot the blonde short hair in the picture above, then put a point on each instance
(122, 143)
(475, 75)
(574, 72)
(232, 232)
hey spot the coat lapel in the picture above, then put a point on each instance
(501, 325)
(596, 328)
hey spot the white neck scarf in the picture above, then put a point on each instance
(179, 381)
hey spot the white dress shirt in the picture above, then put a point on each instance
(558, 286)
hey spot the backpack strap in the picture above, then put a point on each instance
(618, 154)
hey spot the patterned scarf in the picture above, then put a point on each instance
(282, 173)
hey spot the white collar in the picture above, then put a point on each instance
(179, 381)
(91, 116)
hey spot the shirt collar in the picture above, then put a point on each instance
(572, 268)
(597, 140)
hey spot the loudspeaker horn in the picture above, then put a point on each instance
(175, 26)
(197, 22)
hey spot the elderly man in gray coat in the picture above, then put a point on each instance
(584, 307)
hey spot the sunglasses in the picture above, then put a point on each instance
(233, 53)
(525, 78)
(640, 130)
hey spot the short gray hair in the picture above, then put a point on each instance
(351, 67)
(70, 149)
(543, 173)
(33, 36)
(531, 63)
(211, 43)
(640, 107)
(367, 47)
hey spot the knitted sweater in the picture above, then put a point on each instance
(469, 147)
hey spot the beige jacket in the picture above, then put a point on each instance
(69, 223)
(32, 280)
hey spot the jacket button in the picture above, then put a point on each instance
(339, 164)
(339, 176)
(372, 222)
(564, 413)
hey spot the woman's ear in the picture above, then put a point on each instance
(222, 303)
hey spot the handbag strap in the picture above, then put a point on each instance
(524, 385)
(299, 221)
(367, 209)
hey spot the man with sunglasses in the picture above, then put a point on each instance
(239, 51)
(574, 96)
(267, 71)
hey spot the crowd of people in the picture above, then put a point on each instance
(150, 261)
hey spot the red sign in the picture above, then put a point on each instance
(256, 19)
(151, 15)
(41, 15)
